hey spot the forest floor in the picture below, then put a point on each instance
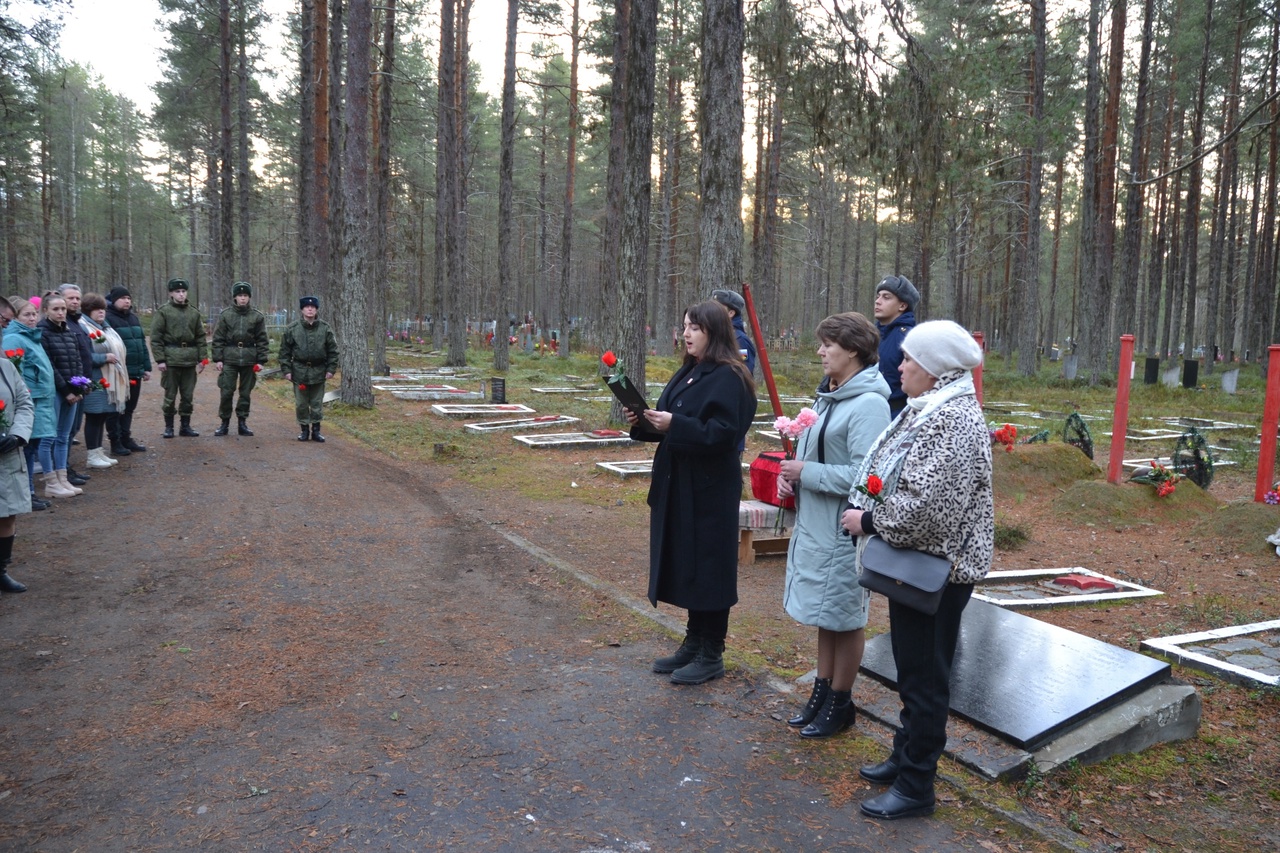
(277, 645)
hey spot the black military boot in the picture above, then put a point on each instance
(684, 655)
(707, 665)
(821, 687)
(315, 433)
(168, 426)
(223, 428)
(243, 427)
(185, 429)
(836, 715)
(118, 448)
(305, 432)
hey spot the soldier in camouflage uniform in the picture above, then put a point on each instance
(178, 349)
(240, 348)
(308, 356)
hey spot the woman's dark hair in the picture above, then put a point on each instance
(92, 302)
(722, 341)
(853, 332)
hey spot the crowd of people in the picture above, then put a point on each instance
(899, 449)
(75, 363)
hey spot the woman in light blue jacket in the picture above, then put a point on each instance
(822, 576)
(37, 373)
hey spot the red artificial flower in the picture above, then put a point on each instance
(609, 359)
(133, 382)
(874, 485)
(1, 405)
(9, 353)
(204, 363)
(257, 368)
(104, 383)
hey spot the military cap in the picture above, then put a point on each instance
(178, 284)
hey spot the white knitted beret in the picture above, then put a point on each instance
(941, 346)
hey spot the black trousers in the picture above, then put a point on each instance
(923, 650)
(708, 624)
(121, 426)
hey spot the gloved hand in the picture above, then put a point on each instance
(10, 443)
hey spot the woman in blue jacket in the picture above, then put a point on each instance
(23, 334)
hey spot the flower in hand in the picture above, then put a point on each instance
(612, 361)
(872, 488)
(794, 428)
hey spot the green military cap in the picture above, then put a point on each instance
(178, 284)
(241, 287)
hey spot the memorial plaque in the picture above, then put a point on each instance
(1026, 680)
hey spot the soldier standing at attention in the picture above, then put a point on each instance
(240, 348)
(178, 347)
(308, 356)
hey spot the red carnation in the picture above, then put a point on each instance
(874, 485)
(204, 363)
(133, 382)
(609, 359)
(257, 368)
(104, 383)
(301, 387)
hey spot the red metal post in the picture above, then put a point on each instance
(764, 358)
(1120, 420)
(977, 371)
(1270, 420)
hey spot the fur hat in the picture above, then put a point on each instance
(901, 287)
(730, 299)
(942, 346)
(178, 284)
(313, 301)
(117, 292)
(241, 287)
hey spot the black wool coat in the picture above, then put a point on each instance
(696, 488)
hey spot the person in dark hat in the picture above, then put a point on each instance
(896, 300)
(240, 348)
(178, 345)
(121, 317)
(308, 357)
(737, 308)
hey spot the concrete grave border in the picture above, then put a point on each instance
(567, 440)
(519, 423)
(466, 410)
(1172, 647)
(1131, 590)
(623, 470)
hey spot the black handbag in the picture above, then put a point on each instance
(909, 577)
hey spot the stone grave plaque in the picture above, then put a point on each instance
(1026, 680)
(1243, 654)
(559, 390)
(331, 396)
(455, 394)
(467, 410)
(573, 439)
(625, 470)
(521, 423)
(1033, 588)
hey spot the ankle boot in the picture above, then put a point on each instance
(185, 429)
(684, 655)
(66, 482)
(243, 427)
(223, 428)
(118, 448)
(98, 459)
(707, 665)
(38, 505)
(821, 687)
(168, 427)
(53, 487)
(305, 432)
(75, 478)
(836, 715)
(127, 441)
(315, 433)
(8, 584)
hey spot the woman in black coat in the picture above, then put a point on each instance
(700, 420)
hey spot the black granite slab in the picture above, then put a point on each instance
(1026, 680)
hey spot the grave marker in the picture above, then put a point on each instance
(1243, 654)
(466, 410)
(574, 439)
(521, 423)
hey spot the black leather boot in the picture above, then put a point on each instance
(8, 584)
(168, 427)
(185, 429)
(118, 448)
(134, 447)
(707, 665)
(821, 687)
(75, 478)
(242, 427)
(224, 427)
(684, 655)
(315, 433)
(38, 505)
(836, 715)
(305, 432)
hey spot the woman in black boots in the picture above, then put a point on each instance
(699, 422)
(17, 417)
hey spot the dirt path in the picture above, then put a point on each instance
(260, 644)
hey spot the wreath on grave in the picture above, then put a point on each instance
(1076, 433)
(1192, 459)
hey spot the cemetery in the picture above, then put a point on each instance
(1128, 639)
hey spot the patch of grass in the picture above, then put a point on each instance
(1011, 536)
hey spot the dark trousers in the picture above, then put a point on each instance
(708, 624)
(923, 650)
(93, 425)
(120, 426)
(233, 375)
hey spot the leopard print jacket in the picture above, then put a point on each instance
(943, 504)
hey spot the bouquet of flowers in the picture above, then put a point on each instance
(1273, 497)
(1006, 435)
(15, 356)
(791, 429)
(97, 336)
(1162, 477)
(81, 385)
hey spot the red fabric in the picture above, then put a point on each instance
(764, 479)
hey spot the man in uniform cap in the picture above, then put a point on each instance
(308, 357)
(240, 348)
(896, 299)
(178, 347)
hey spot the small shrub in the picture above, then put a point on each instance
(1010, 537)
